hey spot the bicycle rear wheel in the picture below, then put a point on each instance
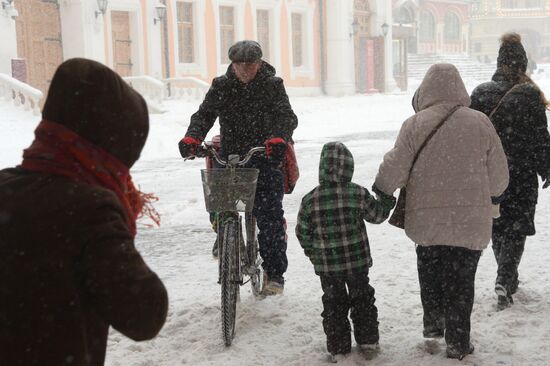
(228, 279)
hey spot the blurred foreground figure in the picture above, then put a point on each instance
(452, 185)
(517, 108)
(68, 263)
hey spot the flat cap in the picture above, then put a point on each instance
(245, 51)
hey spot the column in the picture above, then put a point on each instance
(340, 52)
(389, 82)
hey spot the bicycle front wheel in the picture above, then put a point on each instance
(228, 279)
(253, 259)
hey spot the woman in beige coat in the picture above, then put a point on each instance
(451, 190)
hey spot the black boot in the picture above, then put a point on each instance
(504, 297)
(435, 329)
(430, 332)
(459, 352)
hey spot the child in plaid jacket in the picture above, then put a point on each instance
(332, 231)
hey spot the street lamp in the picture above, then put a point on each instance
(102, 6)
(354, 28)
(161, 13)
(385, 27)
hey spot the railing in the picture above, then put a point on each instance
(186, 88)
(150, 88)
(22, 94)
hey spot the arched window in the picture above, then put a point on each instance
(403, 15)
(452, 27)
(427, 26)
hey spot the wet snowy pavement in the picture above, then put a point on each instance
(287, 330)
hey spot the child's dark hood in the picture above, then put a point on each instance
(96, 103)
(336, 164)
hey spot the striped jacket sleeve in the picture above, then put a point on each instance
(375, 210)
(304, 230)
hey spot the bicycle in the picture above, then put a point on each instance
(227, 192)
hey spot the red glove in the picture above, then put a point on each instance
(275, 148)
(188, 146)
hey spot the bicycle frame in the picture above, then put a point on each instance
(241, 257)
(233, 162)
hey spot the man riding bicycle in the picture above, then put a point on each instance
(253, 110)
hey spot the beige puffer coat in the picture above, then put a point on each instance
(461, 168)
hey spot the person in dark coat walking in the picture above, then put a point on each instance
(68, 263)
(517, 108)
(253, 110)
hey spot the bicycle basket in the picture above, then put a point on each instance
(226, 190)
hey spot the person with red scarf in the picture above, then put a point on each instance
(68, 262)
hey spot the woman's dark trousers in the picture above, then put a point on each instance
(447, 275)
(508, 246)
(342, 294)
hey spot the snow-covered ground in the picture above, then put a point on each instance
(287, 330)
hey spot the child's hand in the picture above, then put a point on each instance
(387, 201)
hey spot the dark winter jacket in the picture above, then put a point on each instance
(330, 224)
(68, 263)
(249, 113)
(521, 124)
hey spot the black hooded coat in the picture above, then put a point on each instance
(521, 124)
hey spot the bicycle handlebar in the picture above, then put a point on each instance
(208, 150)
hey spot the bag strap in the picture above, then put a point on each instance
(501, 99)
(454, 109)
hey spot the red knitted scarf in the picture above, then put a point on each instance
(58, 150)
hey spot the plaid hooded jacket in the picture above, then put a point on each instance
(331, 226)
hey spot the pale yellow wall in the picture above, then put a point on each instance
(211, 38)
(145, 19)
(285, 44)
(171, 18)
(248, 22)
(211, 41)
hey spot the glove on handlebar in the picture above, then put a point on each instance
(275, 148)
(188, 146)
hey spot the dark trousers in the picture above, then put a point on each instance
(447, 275)
(508, 246)
(338, 301)
(268, 210)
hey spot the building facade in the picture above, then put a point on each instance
(335, 47)
(433, 26)
(492, 18)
